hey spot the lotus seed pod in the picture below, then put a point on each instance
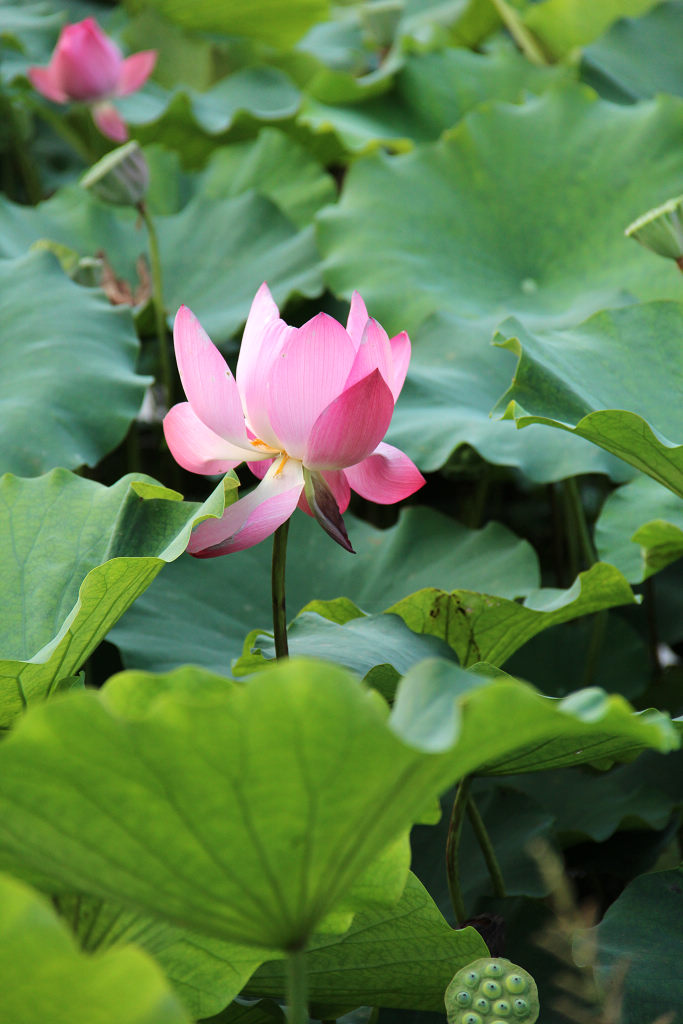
(478, 994)
(494, 969)
(515, 984)
(492, 989)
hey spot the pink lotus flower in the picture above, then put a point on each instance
(307, 410)
(88, 67)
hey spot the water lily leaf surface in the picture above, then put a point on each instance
(69, 389)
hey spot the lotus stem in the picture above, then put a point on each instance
(486, 847)
(520, 33)
(278, 588)
(452, 847)
(297, 987)
(165, 369)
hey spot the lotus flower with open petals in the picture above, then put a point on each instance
(88, 67)
(307, 410)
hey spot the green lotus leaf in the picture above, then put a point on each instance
(264, 20)
(497, 725)
(635, 59)
(69, 390)
(455, 379)
(640, 529)
(401, 956)
(638, 951)
(485, 230)
(246, 239)
(206, 973)
(195, 614)
(429, 94)
(565, 25)
(74, 556)
(481, 627)
(600, 381)
(45, 977)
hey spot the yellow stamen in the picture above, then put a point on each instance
(283, 463)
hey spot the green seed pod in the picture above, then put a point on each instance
(492, 988)
(494, 969)
(478, 994)
(515, 984)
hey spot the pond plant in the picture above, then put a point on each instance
(432, 771)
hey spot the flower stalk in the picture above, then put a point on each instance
(278, 588)
(165, 369)
(452, 848)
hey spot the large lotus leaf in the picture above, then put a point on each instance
(430, 93)
(640, 936)
(401, 956)
(454, 381)
(613, 380)
(44, 976)
(640, 529)
(250, 813)
(481, 627)
(74, 556)
(500, 726)
(564, 25)
(264, 813)
(424, 548)
(243, 240)
(206, 973)
(638, 58)
(69, 389)
(266, 20)
(478, 223)
(242, 1011)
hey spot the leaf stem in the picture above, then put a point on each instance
(297, 986)
(165, 368)
(520, 33)
(452, 846)
(486, 846)
(278, 589)
(579, 516)
(25, 164)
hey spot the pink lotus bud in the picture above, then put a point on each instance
(88, 67)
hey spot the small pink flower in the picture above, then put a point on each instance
(307, 410)
(88, 67)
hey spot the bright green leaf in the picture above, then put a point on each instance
(402, 956)
(74, 556)
(602, 382)
(44, 977)
(265, 20)
(481, 627)
(69, 389)
(564, 25)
